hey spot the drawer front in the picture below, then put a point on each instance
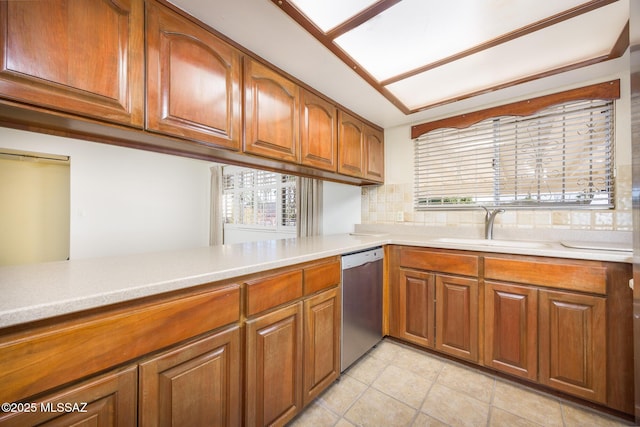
(41, 359)
(321, 276)
(453, 263)
(266, 293)
(584, 277)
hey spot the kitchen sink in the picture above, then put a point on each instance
(493, 242)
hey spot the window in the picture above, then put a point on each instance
(561, 156)
(259, 199)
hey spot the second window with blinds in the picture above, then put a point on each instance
(561, 156)
(257, 205)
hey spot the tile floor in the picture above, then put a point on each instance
(396, 385)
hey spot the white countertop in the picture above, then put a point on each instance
(40, 291)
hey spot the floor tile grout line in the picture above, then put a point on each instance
(385, 359)
(341, 416)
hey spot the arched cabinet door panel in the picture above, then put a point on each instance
(54, 55)
(271, 114)
(374, 147)
(318, 132)
(193, 81)
(350, 145)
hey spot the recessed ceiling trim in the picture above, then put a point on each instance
(616, 52)
(536, 26)
(360, 18)
(316, 32)
(515, 82)
(327, 39)
(621, 45)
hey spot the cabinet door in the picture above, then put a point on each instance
(350, 145)
(511, 329)
(374, 150)
(195, 384)
(457, 316)
(193, 81)
(573, 344)
(321, 342)
(110, 401)
(272, 114)
(318, 132)
(416, 307)
(84, 57)
(274, 366)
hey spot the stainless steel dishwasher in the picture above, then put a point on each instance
(361, 304)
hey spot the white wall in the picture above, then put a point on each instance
(341, 205)
(127, 201)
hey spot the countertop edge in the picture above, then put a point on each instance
(260, 257)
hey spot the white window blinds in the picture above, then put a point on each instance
(259, 198)
(561, 156)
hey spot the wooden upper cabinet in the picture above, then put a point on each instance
(318, 132)
(193, 81)
(271, 114)
(374, 148)
(55, 55)
(360, 149)
(350, 145)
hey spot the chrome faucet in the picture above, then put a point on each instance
(489, 218)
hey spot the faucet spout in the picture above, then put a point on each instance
(489, 218)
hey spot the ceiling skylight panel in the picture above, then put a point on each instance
(327, 14)
(564, 44)
(414, 33)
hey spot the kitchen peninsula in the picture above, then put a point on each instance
(122, 324)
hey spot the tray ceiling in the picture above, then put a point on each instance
(422, 54)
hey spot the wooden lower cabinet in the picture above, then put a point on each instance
(416, 314)
(437, 311)
(573, 343)
(197, 383)
(511, 329)
(108, 400)
(322, 316)
(457, 316)
(274, 366)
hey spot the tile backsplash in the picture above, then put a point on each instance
(393, 204)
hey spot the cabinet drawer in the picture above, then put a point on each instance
(322, 276)
(573, 275)
(445, 262)
(39, 359)
(266, 293)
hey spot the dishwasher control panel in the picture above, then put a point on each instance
(362, 257)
